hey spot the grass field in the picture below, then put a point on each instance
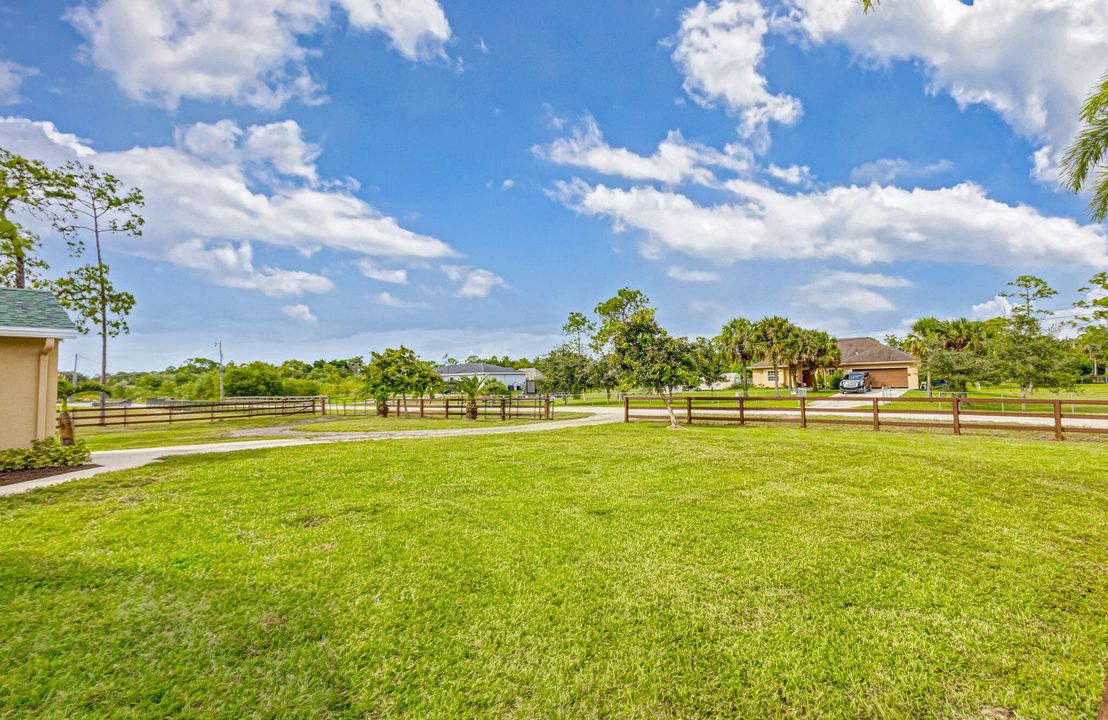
(205, 431)
(615, 571)
(373, 423)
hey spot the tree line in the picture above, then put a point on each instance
(1024, 348)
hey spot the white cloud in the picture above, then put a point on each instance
(997, 307)
(418, 28)
(720, 51)
(217, 189)
(300, 313)
(675, 161)
(793, 174)
(390, 300)
(1031, 61)
(685, 275)
(233, 267)
(508, 184)
(850, 292)
(860, 225)
(243, 51)
(373, 271)
(475, 282)
(887, 170)
(12, 75)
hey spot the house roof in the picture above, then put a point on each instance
(533, 373)
(476, 369)
(33, 313)
(857, 351)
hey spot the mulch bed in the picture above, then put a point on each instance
(18, 476)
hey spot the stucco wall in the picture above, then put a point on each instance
(760, 376)
(28, 390)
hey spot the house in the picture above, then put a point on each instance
(32, 324)
(887, 366)
(512, 378)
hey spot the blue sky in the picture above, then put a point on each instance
(331, 177)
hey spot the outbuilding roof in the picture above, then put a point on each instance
(33, 313)
(476, 369)
(862, 350)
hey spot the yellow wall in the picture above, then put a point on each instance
(28, 390)
(760, 376)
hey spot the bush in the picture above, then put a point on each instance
(831, 380)
(44, 454)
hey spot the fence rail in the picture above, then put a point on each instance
(502, 408)
(215, 410)
(942, 413)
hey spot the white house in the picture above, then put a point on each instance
(512, 378)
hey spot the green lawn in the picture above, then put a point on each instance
(192, 432)
(198, 432)
(372, 423)
(615, 571)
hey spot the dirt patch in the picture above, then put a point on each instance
(18, 476)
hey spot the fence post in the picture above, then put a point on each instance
(421, 410)
(626, 408)
(688, 411)
(546, 406)
(1058, 421)
(957, 419)
(876, 417)
(503, 409)
(803, 414)
(742, 411)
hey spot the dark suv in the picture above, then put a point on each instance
(856, 382)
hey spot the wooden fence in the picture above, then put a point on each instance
(876, 413)
(216, 410)
(498, 408)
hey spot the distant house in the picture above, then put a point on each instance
(32, 324)
(887, 366)
(533, 377)
(512, 378)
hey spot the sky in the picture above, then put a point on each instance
(326, 178)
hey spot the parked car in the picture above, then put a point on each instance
(856, 382)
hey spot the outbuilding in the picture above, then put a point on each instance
(32, 325)
(511, 378)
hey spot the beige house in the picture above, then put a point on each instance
(32, 325)
(887, 366)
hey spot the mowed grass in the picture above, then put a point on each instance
(198, 432)
(615, 571)
(373, 423)
(190, 432)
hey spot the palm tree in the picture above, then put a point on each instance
(471, 386)
(775, 339)
(66, 390)
(926, 334)
(737, 339)
(1084, 164)
(820, 351)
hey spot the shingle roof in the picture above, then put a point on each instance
(856, 351)
(33, 310)
(473, 369)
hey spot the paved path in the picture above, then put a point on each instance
(858, 399)
(112, 460)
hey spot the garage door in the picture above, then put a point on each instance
(888, 377)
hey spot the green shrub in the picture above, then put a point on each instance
(44, 454)
(831, 380)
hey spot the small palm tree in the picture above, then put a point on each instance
(472, 386)
(66, 390)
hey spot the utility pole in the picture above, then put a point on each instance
(219, 344)
(74, 383)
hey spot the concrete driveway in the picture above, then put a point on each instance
(860, 399)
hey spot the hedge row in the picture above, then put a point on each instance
(44, 454)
